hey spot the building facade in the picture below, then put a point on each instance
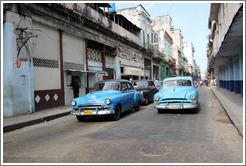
(164, 23)
(225, 47)
(162, 26)
(141, 18)
(189, 53)
(46, 50)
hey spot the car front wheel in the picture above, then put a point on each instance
(116, 115)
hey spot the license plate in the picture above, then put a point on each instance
(174, 107)
(87, 112)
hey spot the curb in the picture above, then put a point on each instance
(33, 122)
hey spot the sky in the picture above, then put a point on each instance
(190, 17)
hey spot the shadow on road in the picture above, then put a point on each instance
(105, 118)
(185, 111)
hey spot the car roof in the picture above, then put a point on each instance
(178, 78)
(141, 80)
(119, 81)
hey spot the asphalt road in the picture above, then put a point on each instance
(138, 137)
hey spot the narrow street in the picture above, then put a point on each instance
(141, 137)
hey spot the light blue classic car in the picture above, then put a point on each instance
(109, 97)
(177, 93)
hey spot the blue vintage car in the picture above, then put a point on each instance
(109, 97)
(177, 93)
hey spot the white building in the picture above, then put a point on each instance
(189, 53)
(141, 18)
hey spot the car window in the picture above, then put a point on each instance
(124, 86)
(106, 86)
(140, 84)
(129, 86)
(151, 84)
(177, 83)
(158, 84)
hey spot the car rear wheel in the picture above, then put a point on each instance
(137, 108)
(116, 115)
(146, 100)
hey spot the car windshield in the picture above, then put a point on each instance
(106, 86)
(176, 83)
(158, 84)
(140, 84)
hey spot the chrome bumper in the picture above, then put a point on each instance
(104, 112)
(176, 106)
(98, 109)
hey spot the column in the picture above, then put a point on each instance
(224, 77)
(227, 78)
(241, 69)
(236, 74)
(220, 77)
(231, 79)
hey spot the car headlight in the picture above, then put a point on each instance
(107, 101)
(73, 103)
(156, 98)
(192, 97)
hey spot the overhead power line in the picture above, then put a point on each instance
(170, 9)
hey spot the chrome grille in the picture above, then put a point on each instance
(174, 99)
(92, 107)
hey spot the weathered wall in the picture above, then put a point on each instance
(17, 83)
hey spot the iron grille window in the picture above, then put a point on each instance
(38, 62)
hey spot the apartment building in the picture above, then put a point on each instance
(141, 18)
(225, 46)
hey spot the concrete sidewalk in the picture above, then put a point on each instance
(17, 122)
(233, 105)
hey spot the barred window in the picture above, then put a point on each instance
(38, 62)
(94, 55)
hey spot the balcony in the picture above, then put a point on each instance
(148, 46)
(95, 14)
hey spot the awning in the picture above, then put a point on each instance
(99, 72)
(72, 70)
(133, 71)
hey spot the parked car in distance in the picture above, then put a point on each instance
(177, 93)
(109, 97)
(146, 88)
(158, 84)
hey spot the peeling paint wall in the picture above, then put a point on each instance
(17, 82)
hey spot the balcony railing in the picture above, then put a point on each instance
(148, 46)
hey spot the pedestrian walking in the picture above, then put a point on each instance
(76, 85)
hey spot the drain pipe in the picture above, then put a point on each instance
(87, 68)
(61, 67)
